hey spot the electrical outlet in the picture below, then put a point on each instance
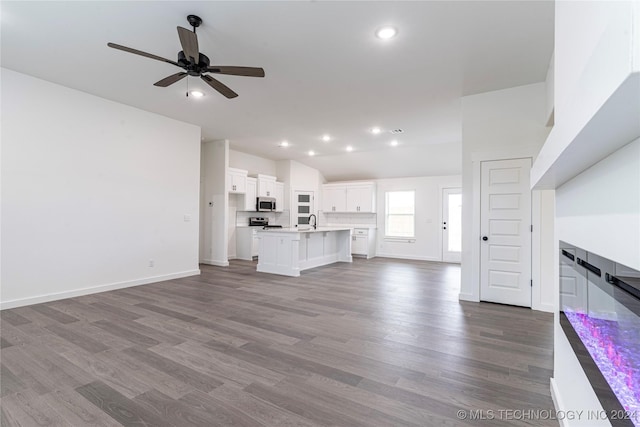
(152, 263)
(187, 217)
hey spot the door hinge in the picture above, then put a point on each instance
(532, 283)
(532, 228)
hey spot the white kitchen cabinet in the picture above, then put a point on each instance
(358, 197)
(236, 180)
(246, 243)
(361, 198)
(363, 242)
(334, 198)
(250, 194)
(279, 195)
(266, 186)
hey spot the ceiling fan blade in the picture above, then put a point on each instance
(141, 53)
(189, 42)
(219, 86)
(237, 71)
(167, 81)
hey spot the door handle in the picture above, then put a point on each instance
(485, 238)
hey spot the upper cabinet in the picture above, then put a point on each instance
(361, 198)
(356, 197)
(236, 180)
(266, 186)
(334, 198)
(269, 187)
(250, 194)
(279, 195)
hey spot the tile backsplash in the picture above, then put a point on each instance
(275, 218)
(349, 219)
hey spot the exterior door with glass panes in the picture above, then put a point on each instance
(303, 207)
(451, 224)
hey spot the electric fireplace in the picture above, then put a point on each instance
(600, 315)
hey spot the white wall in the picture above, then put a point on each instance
(503, 124)
(215, 203)
(599, 210)
(593, 55)
(544, 297)
(427, 244)
(550, 86)
(253, 164)
(92, 190)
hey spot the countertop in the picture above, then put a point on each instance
(308, 230)
(353, 225)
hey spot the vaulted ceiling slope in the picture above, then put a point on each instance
(326, 72)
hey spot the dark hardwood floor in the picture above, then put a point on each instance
(375, 343)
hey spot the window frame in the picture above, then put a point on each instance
(387, 214)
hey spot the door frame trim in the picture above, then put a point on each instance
(441, 220)
(471, 291)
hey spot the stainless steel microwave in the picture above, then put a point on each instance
(265, 204)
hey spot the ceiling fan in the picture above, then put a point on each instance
(195, 63)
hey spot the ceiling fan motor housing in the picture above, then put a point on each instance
(194, 69)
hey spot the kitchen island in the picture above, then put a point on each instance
(290, 251)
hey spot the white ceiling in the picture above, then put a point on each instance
(325, 70)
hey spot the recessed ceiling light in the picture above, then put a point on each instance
(197, 94)
(394, 143)
(284, 144)
(386, 33)
(312, 153)
(349, 148)
(376, 130)
(326, 138)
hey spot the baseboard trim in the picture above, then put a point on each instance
(411, 257)
(214, 262)
(544, 307)
(557, 401)
(467, 297)
(94, 289)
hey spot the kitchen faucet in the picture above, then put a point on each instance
(315, 221)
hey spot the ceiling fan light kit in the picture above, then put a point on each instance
(194, 63)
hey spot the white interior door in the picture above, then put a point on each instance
(505, 218)
(451, 224)
(303, 207)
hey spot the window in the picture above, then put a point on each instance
(400, 210)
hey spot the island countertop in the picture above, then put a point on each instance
(303, 230)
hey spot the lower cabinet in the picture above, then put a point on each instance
(363, 242)
(246, 243)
